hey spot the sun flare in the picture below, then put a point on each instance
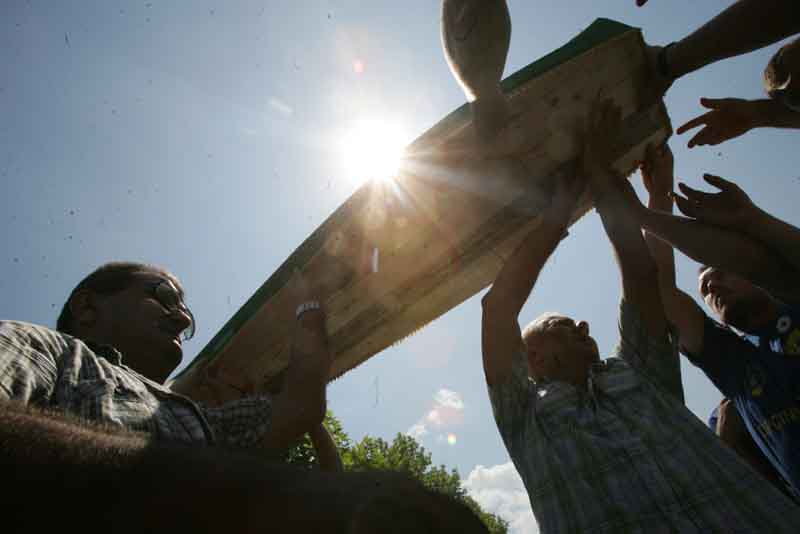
(373, 150)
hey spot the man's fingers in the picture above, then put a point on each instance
(716, 103)
(693, 194)
(717, 181)
(700, 138)
(686, 206)
(694, 123)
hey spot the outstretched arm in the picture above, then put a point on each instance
(301, 404)
(729, 118)
(745, 26)
(611, 195)
(503, 302)
(681, 310)
(768, 249)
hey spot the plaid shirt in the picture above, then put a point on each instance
(50, 370)
(627, 455)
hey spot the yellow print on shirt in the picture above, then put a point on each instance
(778, 421)
(792, 344)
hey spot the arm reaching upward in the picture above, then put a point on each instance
(731, 208)
(503, 302)
(301, 405)
(681, 310)
(612, 199)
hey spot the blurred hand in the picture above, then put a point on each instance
(657, 83)
(729, 118)
(731, 207)
(602, 128)
(658, 170)
(568, 189)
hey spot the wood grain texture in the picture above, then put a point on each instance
(443, 228)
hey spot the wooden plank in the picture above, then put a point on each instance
(442, 228)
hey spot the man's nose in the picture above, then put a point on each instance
(181, 318)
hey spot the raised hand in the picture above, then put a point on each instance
(568, 189)
(602, 126)
(731, 207)
(658, 170)
(729, 118)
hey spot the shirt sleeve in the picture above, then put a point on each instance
(241, 424)
(653, 356)
(724, 358)
(28, 362)
(511, 400)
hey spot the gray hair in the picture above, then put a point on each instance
(538, 325)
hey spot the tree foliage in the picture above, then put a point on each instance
(403, 454)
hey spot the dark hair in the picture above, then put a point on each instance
(107, 279)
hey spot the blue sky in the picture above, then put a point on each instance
(204, 136)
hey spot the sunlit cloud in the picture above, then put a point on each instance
(447, 412)
(280, 106)
(499, 490)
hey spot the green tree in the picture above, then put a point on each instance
(403, 454)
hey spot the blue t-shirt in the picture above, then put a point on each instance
(761, 375)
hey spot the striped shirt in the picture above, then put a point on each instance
(626, 455)
(50, 370)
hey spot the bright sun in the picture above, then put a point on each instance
(373, 150)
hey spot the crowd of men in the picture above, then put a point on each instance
(89, 431)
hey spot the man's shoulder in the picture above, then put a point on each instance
(20, 334)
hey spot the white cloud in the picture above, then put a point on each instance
(446, 413)
(417, 431)
(499, 490)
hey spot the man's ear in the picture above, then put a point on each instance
(82, 307)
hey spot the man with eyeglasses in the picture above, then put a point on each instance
(90, 437)
(118, 338)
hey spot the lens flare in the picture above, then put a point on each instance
(451, 439)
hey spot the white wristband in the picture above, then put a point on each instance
(307, 306)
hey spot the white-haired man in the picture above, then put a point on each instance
(608, 446)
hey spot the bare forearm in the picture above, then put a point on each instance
(731, 251)
(327, 453)
(516, 279)
(770, 113)
(301, 404)
(745, 26)
(781, 237)
(662, 252)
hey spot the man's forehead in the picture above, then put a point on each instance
(150, 277)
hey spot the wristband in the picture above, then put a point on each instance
(661, 61)
(307, 306)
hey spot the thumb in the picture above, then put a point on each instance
(716, 103)
(685, 206)
(717, 181)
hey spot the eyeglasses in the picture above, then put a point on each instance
(169, 297)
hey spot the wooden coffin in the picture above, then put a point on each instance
(398, 254)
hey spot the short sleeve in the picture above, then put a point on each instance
(29, 357)
(243, 423)
(724, 358)
(653, 356)
(511, 400)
